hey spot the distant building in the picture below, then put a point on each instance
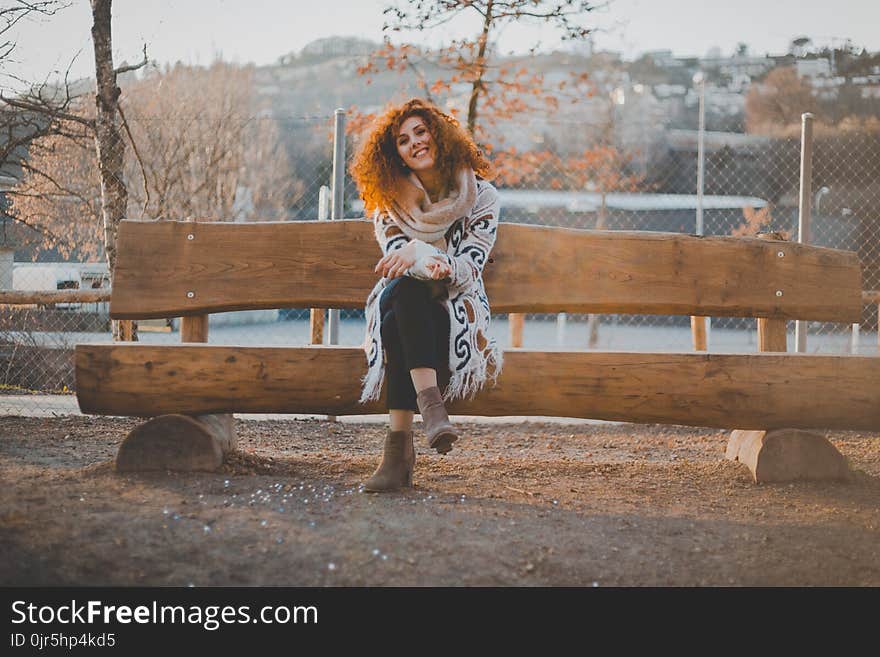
(663, 58)
(813, 68)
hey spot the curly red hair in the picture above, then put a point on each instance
(377, 166)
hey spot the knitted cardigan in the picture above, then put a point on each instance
(473, 355)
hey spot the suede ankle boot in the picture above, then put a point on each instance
(396, 469)
(441, 434)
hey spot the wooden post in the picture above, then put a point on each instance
(176, 441)
(698, 332)
(316, 325)
(516, 321)
(783, 454)
(194, 328)
(126, 330)
(771, 335)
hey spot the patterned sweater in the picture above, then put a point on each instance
(473, 355)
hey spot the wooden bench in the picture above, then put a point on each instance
(186, 269)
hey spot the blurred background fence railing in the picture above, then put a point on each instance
(237, 166)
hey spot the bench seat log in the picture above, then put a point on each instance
(749, 391)
(171, 269)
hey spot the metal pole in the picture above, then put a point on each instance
(336, 208)
(700, 326)
(701, 154)
(317, 315)
(804, 210)
(324, 203)
(560, 329)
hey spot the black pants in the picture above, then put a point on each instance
(415, 333)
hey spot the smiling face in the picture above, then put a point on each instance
(415, 145)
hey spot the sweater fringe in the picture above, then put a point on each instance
(371, 383)
(467, 383)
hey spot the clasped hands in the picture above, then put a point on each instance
(398, 262)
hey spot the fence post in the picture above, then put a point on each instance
(515, 322)
(561, 320)
(336, 207)
(804, 210)
(337, 210)
(698, 324)
(316, 315)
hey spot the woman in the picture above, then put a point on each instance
(435, 215)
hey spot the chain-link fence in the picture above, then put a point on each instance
(233, 167)
(751, 184)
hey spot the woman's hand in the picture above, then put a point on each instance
(397, 262)
(439, 268)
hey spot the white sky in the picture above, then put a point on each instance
(260, 31)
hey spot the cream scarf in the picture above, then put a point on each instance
(420, 218)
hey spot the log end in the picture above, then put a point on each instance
(787, 455)
(177, 442)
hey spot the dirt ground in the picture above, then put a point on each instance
(511, 505)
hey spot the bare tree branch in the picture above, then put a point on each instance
(19, 9)
(47, 110)
(133, 67)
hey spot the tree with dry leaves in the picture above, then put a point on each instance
(59, 194)
(778, 101)
(199, 150)
(205, 148)
(469, 70)
(105, 127)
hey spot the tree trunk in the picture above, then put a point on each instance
(108, 140)
(481, 68)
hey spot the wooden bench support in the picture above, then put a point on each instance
(786, 455)
(177, 442)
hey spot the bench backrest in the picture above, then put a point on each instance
(171, 269)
